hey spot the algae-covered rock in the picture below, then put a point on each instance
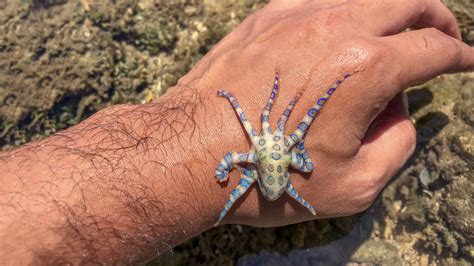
(60, 61)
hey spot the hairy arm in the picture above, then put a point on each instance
(124, 185)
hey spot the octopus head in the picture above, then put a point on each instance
(273, 173)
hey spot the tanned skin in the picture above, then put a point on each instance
(132, 181)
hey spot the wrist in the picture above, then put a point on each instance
(188, 140)
(212, 132)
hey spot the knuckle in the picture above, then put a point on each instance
(369, 193)
(363, 205)
(451, 47)
(369, 184)
(371, 181)
(454, 52)
(363, 201)
(433, 32)
(365, 51)
(372, 185)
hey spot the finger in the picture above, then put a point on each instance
(389, 142)
(424, 54)
(384, 18)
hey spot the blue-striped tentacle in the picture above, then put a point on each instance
(301, 162)
(242, 117)
(265, 118)
(303, 126)
(231, 158)
(292, 192)
(300, 159)
(286, 114)
(247, 178)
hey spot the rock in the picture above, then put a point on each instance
(377, 252)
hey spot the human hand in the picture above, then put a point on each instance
(363, 135)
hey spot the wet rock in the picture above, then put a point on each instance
(426, 178)
(463, 145)
(465, 110)
(377, 252)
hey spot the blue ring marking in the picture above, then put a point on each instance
(321, 101)
(299, 198)
(247, 172)
(261, 142)
(310, 166)
(244, 157)
(287, 143)
(276, 156)
(301, 146)
(271, 168)
(220, 167)
(244, 183)
(292, 192)
(294, 137)
(270, 180)
(331, 90)
(276, 138)
(298, 158)
(286, 113)
(272, 95)
(305, 204)
(228, 158)
(243, 117)
(312, 112)
(265, 118)
(280, 126)
(253, 132)
(303, 126)
(279, 169)
(234, 104)
(223, 213)
(280, 180)
(276, 147)
(235, 193)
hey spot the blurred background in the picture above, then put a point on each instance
(60, 61)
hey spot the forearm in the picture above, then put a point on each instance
(123, 185)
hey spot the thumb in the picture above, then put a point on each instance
(390, 140)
